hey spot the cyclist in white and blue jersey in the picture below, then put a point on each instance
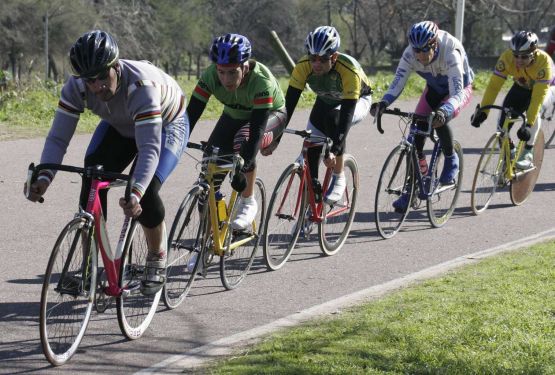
(441, 60)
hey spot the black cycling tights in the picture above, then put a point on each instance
(445, 137)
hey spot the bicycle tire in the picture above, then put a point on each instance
(135, 310)
(488, 174)
(548, 125)
(334, 229)
(523, 185)
(282, 229)
(186, 238)
(442, 203)
(396, 178)
(235, 264)
(64, 319)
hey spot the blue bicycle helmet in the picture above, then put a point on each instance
(94, 52)
(524, 42)
(422, 34)
(324, 40)
(230, 49)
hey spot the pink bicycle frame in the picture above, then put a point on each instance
(112, 261)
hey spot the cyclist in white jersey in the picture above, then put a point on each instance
(441, 60)
(142, 111)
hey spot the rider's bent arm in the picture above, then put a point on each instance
(195, 108)
(70, 107)
(496, 81)
(539, 93)
(458, 97)
(345, 118)
(144, 104)
(402, 74)
(291, 99)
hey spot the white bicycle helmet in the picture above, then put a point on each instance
(324, 40)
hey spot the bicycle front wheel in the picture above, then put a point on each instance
(237, 260)
(185, 240)
(68, 292)
(283, 223)
(489, 173)
(524, 182)
(395, 180)
(334, 229)
(443, 199)
(135, 310)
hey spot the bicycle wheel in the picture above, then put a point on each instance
(523, 184)
(68, 292)
(135, 310)
(548, 125)
(184, 244)
(395, 180)
(284, 220)
(441, 204)
(235, 263)
(334, 229)
(489, 173)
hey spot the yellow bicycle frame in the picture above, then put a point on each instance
(220, 228)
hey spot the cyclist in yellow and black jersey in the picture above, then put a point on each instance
(343, 99)
(532, 72)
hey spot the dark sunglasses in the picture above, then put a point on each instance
(324, 59)
(100, 77)
(423, 49)
(527, 56)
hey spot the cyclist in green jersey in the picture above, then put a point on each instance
(343, 99)
(253, 116)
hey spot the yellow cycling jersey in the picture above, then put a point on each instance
(537, 77)
(346, 79)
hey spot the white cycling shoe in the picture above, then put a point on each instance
(246, 213)
(336, 189)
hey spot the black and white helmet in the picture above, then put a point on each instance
(524, 42)
(324, 40)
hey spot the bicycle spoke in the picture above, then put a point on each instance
(68, 293)
(443, 199)
(334, 229)
(283, 223)
(394, 181)
(237, 260)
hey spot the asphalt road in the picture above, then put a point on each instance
(28, 232)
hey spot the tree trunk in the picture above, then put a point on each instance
(52, 68)
(198, 65)
(190, 68)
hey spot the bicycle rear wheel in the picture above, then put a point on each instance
(68, 292)
(548, 125)
(334, 229)
(523, 184)
(489, 173)
(395, 180)
(283, 223)
(135, 310)
(441, 204)
(185, 242)
(235, 263)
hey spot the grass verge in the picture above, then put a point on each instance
(494, 317)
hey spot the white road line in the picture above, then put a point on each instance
(227, 345)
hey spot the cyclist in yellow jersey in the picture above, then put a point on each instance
(532, 72)
(343, 99)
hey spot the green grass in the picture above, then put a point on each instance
(495, 317)
(28, 111)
